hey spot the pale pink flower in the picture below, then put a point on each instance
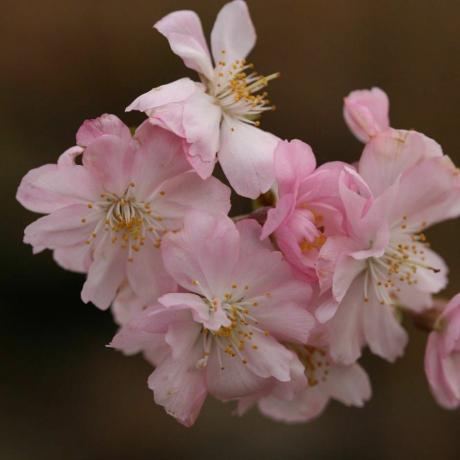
(220, 115)
(408, 185)
(313, 385)
(308, 209)
(107, 215)
(225, 333)
(442, 357)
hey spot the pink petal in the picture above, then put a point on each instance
(270, 359)
(382, 331)
(110, 159)
(127, 305)
(345, 327)
(51, 187)
(346, 271)
(200, 310)
(177, 91)
(294, 162)
(429, 192)
(187, 192)
(203, 168)
(182, 337)
(348, 384)
(391, 154)
(366, 113)
(180, 387)
(233, 33)
(233, 379)
(105, 275)
(201, 121)
(194, 256)
(185, 35)
(306, 406)
(159, 157)
(146, 273)
(277, 216)
(436, 376)
(287, 322)
(90, 130)
(63, 227)
(246, 156)
(76, 258)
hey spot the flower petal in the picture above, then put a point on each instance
(51, 187)
(345, 327)
(382, 331)
(76, 258)
(233, 35)
(366, 113)
(160, 156)
(201, 121)
(201, 311)
(180, 387)
(90, 130)
(348, 384)
(187, 192)
(202, 256)
(228, 378)
(146, 274)
(185, 35)
(294, 162)
(105, 275)
(389, 155)
(246, 156)
(110, 159)
(65, 227)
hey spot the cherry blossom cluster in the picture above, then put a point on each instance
(272, 309)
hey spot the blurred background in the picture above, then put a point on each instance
(63, 394)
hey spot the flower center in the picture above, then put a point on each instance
(127, 221)
(234, 339)
(315, 361)
(237, 88)
(403, 258)
(308, 227)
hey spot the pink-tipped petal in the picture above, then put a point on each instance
(366, 113)
(90, 130)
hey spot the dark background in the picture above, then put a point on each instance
(63, 395)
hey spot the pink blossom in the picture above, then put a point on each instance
(220, 115)
(225, 333)
(313, 385)
(308, 209)
(107, 216)
(442, 357)
(407, 186)
(366, 113)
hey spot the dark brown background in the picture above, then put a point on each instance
(63, 395)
